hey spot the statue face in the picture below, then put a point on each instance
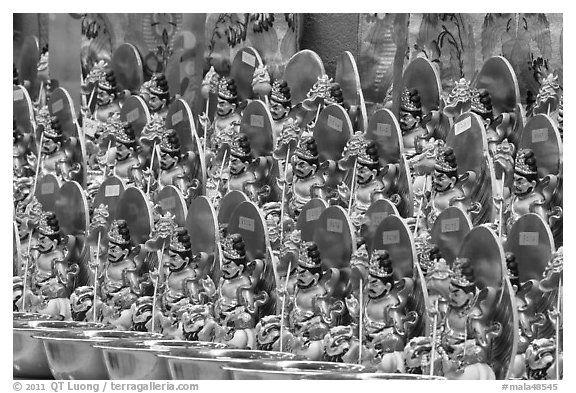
(305, 278)
(49, 146)
(408, 122)
(237, 166)
(116, 253)
(193, 322)
(176, 261)
(122, 151)
(459, 298)
(521, 185)
(441, 181)
(267, 331)
(45, 244)
(303, 169)
(155, 103)
(231, 270)
(104, 98)
(364, 175)
(82, 305)
(377, 288)
(278, 111)
(225, 108)
(167, 162)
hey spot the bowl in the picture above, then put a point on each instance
(365, 376)
(71, 354)
(32, 316)
(28, 354)
(207, 364)
(290, 370)
(129, 359)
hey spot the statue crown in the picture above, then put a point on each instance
(526, 163)
(227, 89)
(380, 264)
(280, 92)
(118, 233)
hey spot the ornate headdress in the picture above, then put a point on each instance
(157, 85)
(380, 264)
(107, 82)
(170, 143)
(460, 98)
(280, 92)
(99, 217)
(482, 103)
(369, 156)
(48, 225)
(309, 256)
(119, 233)
(446, 161)
(233, 248)
(82, 293)
(525, 164)
(411, 101)
(227, 90)
(307, 150)
(97, 73)
(462, 273)
(240, 147)
(53, 129)
(125, 134)
(180, 241)
(321, 88)
(211, 80)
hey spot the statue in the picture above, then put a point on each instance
(129, 162)
(227, 119)
(268, 333)
(82, 304)
(241, 299)
(108, 98)
(280, 106)
(156, 95)
(123, 279)
(23, 155)
(57, 152)
(341, 345)
(314, 309)
(410, 119)
(386, 320)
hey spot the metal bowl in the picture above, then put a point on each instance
(32, 316)
(365, 376)
(71, 354)
(137, 359)
(290, 370)
(207, 364)
(29, 356)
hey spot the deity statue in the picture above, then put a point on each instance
(308, 181)
(242, 294)
(108, 96)
(227, 119)
(448, 188)
(82, 304)
(57, 157)
(541, 360)
(411, 121)
(341, 345)
(123, 279)
(315, 309)
(129, 162)
(530, 193)
(198, 323)
(280, 106)
(268, 333)
(23, 154)
(386, 320)
(156, 95)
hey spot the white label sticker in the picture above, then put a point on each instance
(177, 118)
(18, 95)
(47, 188)
(133, 115)
(334, 225)
(383, 130)
(90, 127)
(249, 59)
(450, 225)
(246, 224)
(463, 125)
(540, 135)
(528, 238)
(113, 190)
(257, 121)
(335, 123)
(313, 214)
(168, 203)
(391, 237)
(57, 106)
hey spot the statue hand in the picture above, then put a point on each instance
(204, 121)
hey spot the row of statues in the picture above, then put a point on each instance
(285, 218)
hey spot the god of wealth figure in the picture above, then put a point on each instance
(156, 95)
(280, 106)
(241, 297)
(57, 152)
(129, 162)
(176, 167)
(437, 274)
(530, 193)
(227, 119)
(341, 345)
(386, 320)
(54, 275)
(197, 323)
(314, 309)
(185, 282)
(411, 121)
(246, 173)
(307, 182)
(268, 333)
(108, 96)
(123, 281)
(449, 189)
(496, 129)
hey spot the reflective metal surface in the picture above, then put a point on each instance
(290, 370)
